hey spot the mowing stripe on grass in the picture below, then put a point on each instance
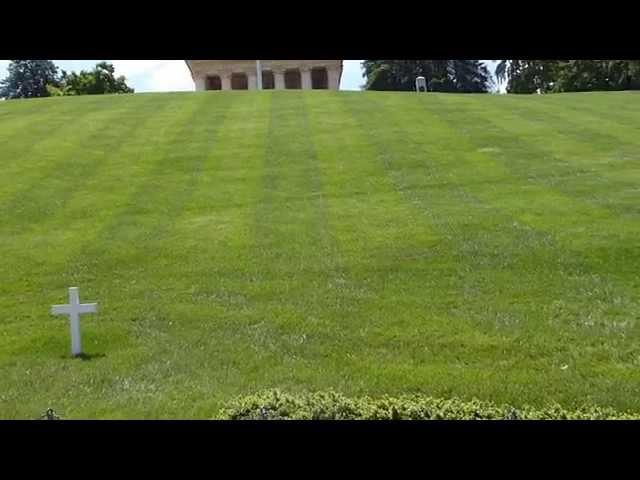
(291, 231)
(473, 232)
(356, 180)
(292, 206)
(425, 280)
(291, 250)
(572, 213)
(38, 246)
(67, 173)
(605, 185)
(218, 224)
(200, 197)
(584, 246)
(44, 155)
(499, 234)
(50, 137)
(549, 157)
(602, 109)
(565, 134)
(414, 167)
(207, 260)
(26, 114)
(46, 288)
(96, 229)
(158, 196)
(347, 161)
(443, 291)
(45, 248)
(538, 205)
(14, 121)
(376, 288)
(109, 288)
(485, 294)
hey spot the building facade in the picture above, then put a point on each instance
(276, 74)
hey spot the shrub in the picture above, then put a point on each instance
(54, 91)
(276, 405)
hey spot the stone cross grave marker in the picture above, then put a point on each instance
(74, 309)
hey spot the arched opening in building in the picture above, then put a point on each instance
(239, 81)
(268, 82)
(319, 78)
(213, 82)
(292, 80)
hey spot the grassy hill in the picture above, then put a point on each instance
(455, 245)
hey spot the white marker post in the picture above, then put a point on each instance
(74, 309)
(421, 84)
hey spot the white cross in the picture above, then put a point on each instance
(74, 309)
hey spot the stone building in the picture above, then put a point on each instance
(276, 74)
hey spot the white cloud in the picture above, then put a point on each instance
(155, 75)
(3, 68)
(134, 68)
(75, 65)
(351, 75)
(171, 76)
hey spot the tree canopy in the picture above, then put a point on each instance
(100, 80)
(40, 78)
(29, 79)
(527, 76)
(462, 76)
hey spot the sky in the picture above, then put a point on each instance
(173, 75)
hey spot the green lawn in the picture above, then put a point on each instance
(455, 245)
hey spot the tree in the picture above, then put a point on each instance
(29, 79)
(588, 75)
(441, 75)
(527, 76)
(470, 76)
(100, 80)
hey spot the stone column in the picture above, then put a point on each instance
(253, 80)
(305, 73)
(333, 76)
(226, 81)
(201, 83)
(278, 78)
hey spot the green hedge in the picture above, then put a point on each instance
(276, 405)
